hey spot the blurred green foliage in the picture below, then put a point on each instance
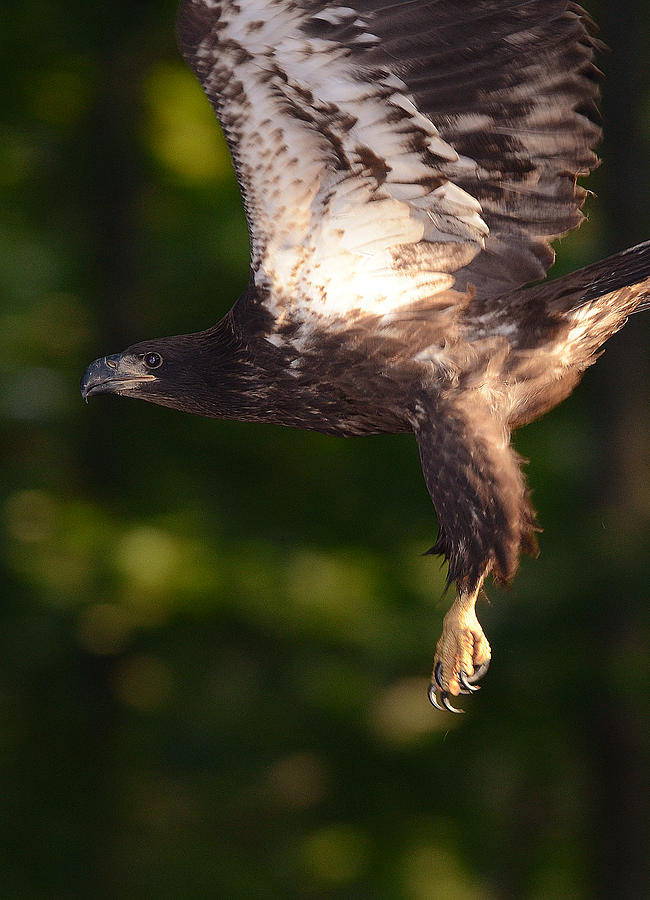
(215, 637)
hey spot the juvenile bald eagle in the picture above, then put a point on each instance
(404, 166)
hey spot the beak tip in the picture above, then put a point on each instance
(95, 377)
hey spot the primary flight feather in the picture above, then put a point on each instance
(404, 166)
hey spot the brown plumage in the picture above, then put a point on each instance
(404, 167)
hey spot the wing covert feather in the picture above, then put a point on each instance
(385, 150)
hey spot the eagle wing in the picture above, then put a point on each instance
(387, 150)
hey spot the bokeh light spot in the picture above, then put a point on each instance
(180, 128)
(336, 854)
(331, 590)
(147, 556)
(401, 713)
(434, 873)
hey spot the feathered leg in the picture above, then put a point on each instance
(478, 490)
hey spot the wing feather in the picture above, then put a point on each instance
(386, 150)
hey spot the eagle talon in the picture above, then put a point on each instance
(444, 699)
(433, 700)
(479, 672)
(440, 682)
(447, 705)
(466, 683)
(462, 648)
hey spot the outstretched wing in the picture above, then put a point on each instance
(387, 149)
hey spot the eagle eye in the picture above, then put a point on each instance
(152, 360)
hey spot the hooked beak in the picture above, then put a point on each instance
(106, 376)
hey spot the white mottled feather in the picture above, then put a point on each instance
(326, 235)
(389, 151)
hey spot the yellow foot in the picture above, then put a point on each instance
(462, 655)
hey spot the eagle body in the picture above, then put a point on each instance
(404, 167)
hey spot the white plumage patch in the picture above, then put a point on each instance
(346, 207)
(388, 151)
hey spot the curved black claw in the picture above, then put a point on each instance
(433, 700)
(466, 683)
(478, 673)
(437, 674)
(447, 705)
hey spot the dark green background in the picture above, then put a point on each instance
(216, 637)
